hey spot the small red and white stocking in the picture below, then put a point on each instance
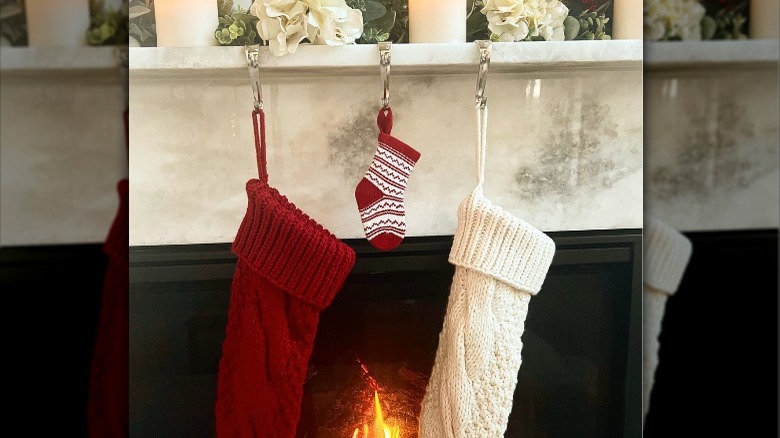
(380, 194)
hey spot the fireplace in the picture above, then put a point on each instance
(376, 343)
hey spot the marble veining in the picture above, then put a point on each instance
(712, 161)
(577, 156)
(350, 147)
(192, 149)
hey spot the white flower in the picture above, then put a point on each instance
(338, 24)
(516, 20)
(284, 24)
(673, 19)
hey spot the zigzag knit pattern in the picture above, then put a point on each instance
(380, 193)
(500, 262)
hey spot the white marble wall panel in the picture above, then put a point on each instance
(565, 149)
(711, 162)
(62, 152)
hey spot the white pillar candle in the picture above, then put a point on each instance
(627, 16)
(437, 21)
(764, 19)
(57, 23)
(186, 23)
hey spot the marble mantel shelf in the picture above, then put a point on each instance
(406, 59)
(716, 55)
(51, 60)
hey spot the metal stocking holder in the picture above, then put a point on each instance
(384, 72)
(485, 49)
(253, 62)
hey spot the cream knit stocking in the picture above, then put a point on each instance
(666, 255)
(500, 262)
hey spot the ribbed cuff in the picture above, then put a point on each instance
(116, 243)
(290, 249)
(492, 241)
(666, 255)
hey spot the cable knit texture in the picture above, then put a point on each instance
(108, 404)
(107, 408)
(289, 269)
(666, 255)
(500, 262)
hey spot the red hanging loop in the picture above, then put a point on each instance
(385, 120)
(258, 120)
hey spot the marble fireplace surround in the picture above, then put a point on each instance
(193, 174)
(564, 153)
(711, 162)
(62, 144)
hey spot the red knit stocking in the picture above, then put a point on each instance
(380, 194)
(289, 269)
(107, 408)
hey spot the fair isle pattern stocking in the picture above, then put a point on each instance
(380, 194)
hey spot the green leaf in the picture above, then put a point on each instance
(571, 28)
(135, 30)
(356, 4)
(603, 8)
(384, 23)
(137, 11)
(9, 10)
(708, 28)
(224, 7)
(374, 10)
(248, 18)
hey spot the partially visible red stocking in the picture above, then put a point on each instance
(289, 268)
(107, 408)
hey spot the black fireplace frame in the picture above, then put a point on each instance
(157, 272)
(168, 279)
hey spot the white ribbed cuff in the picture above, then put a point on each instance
(666, 255)
(492, 241)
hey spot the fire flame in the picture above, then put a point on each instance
(380, 429)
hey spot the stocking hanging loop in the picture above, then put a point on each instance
(258, 122)
(485, 48)
(385, 120)
(258, 116)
